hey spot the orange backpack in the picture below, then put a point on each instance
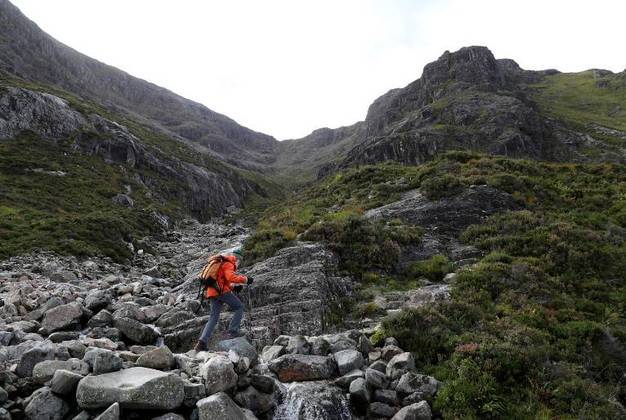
(208, 276)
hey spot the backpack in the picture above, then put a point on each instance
(208, 277)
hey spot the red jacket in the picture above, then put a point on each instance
(226, 277)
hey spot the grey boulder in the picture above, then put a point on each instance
(218, 375)
(400, 364)
(417, 411)
(219, 406)
(102, 360)
(348, 360)
(44, 405)
(136, 331)
(44, 371)
(64, 382)
(160, 358)
(135, 388)
(241, 346)
(32, 356)
(61, 317)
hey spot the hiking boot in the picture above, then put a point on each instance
(232, 335)
(200, 346)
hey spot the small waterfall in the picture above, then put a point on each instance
(313, 401)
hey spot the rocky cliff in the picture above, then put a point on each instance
(465, 100)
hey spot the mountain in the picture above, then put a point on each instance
(468, 100)
(92, 159)
(28, 52)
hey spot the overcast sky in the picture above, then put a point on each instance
(288, 67)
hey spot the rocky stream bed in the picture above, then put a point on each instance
(88, 338)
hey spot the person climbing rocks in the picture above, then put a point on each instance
(227, 281)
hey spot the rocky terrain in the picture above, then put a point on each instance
(94, 339)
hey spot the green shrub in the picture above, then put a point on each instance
(434, 269)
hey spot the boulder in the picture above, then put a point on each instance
(302, 367)
(193, 393)
(319, 346)
(136, 331)
(61, 317)
(31, 357)
(400, 364)
(241, 346)
(270, 353)
(376, 379)
(346, 380)
(388, 352)
(348, 360)
(255, 400)
(135, 388)
(410, 383)
(359, 393)
(97, 300)
(298, 345)
(219, 406)
(160, 358)
(60, 336)
(64, 382)
(218, 375)
(379, 409)
(418, 411)
(44, 405)
(387, 396)
(44, 371)
(102, 360)
(263, 383)
(111, 413)
(64, 277)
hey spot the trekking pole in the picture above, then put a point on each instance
(249, 307)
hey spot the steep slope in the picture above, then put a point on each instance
(468, 100)
(78, 179)
(28, 52)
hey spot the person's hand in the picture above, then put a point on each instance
(238, 288)
(250, 280)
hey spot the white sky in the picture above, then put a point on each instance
(287, 67)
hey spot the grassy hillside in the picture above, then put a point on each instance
(71, 211)
(74, 214)
(584, 101)
(537, 328)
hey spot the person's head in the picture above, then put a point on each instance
(238, 252)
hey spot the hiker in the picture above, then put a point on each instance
(227, 280)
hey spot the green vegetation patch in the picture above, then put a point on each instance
(53, 198)
(583, 99)
(537, 328)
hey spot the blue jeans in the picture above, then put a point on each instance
(216, 308)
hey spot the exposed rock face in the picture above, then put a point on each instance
(294, 290)
(450, 215)
(135, 388)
